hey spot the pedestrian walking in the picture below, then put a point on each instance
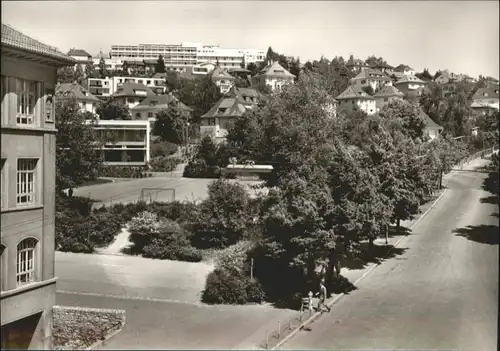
(322, 297)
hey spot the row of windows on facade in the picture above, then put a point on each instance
(25, 263)
(26, 181)
(27, 94)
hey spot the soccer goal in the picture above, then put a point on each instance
(149, 195)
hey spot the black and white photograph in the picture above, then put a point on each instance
(250, 175)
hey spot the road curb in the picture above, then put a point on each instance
(337, 298)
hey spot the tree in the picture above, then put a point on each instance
(160, 65)
(89, 69)
(407, 115)
(224, 215)
(78, 155)
(425, 75)
(113, 110)
(66, 74)
(373, 61)
(253, 68)
(79, 74)
(102, 68)
(171, 123)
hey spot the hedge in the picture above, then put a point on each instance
(124, 172)
(164, 163)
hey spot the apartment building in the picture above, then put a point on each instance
(28, 138)
(127, 142)
(188, 54)
(108, 86)
(87, 101)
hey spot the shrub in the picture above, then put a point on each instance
(254, 291)
(142, 228)
(189, 254)
(183, 213)
(225, 287)
(197, 168)
(163, 148)
(121, 171)
(104, 228)
(164, 163)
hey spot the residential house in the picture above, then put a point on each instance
(405, 70)
(28, 166)
(409, 83)
(149, 107)
(432, 130)
(385, 68)
(273, 76)
(354, 98)
(127, 143)
(87, 101)
(485, 100)
(101, 87)
(231, 106)
(222, 79)
(132, 67)
(357, 65)
(82, 57)
(131, 94)
(387, 94)
(371, 78)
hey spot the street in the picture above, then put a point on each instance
(441, 293)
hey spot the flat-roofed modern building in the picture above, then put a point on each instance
(127, 142)
(28, 284)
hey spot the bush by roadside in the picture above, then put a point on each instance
(164, 163)
(163, 148)
(124, 172)
(79, 328)
(161, 238)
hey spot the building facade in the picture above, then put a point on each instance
(81, 57)
(371, 78)
(108, 86)
(28, 283)
(188, 54)
(386, 95)
(409, 83)
(356, 99)
(131, 94)
(273, 76)
(127, 142)
(87, 101)
(237, 101)
(149, 107)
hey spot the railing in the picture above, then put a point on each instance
(478, 154)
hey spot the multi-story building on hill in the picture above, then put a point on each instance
(188, 54)
(28, 281)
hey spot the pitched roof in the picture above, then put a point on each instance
(220, 73)
(480, 94)
(428, 122)
(160, 102)
(354, 92)
(78, 52)
(403, 68)
(15, 39)
(481, 104)
(388, 90)
(68, 90)
(130, 89)
(234, 104)
(371, 73)
(275, 70)
(410, 79)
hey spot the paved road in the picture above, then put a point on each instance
(131, 276)
(441, 293)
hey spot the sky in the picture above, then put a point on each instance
(462, 36)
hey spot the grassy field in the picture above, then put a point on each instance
(181, 189)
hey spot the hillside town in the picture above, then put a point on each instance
(195, 196)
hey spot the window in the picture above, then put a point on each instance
(131, 101)
(26, 169)
(49, 105)
(150, 114)
(2, 189)
(26, 101)
(386, 99)
(363, 81)
(138, 115)
(26, 261)
(211, 122)
(148, 82)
